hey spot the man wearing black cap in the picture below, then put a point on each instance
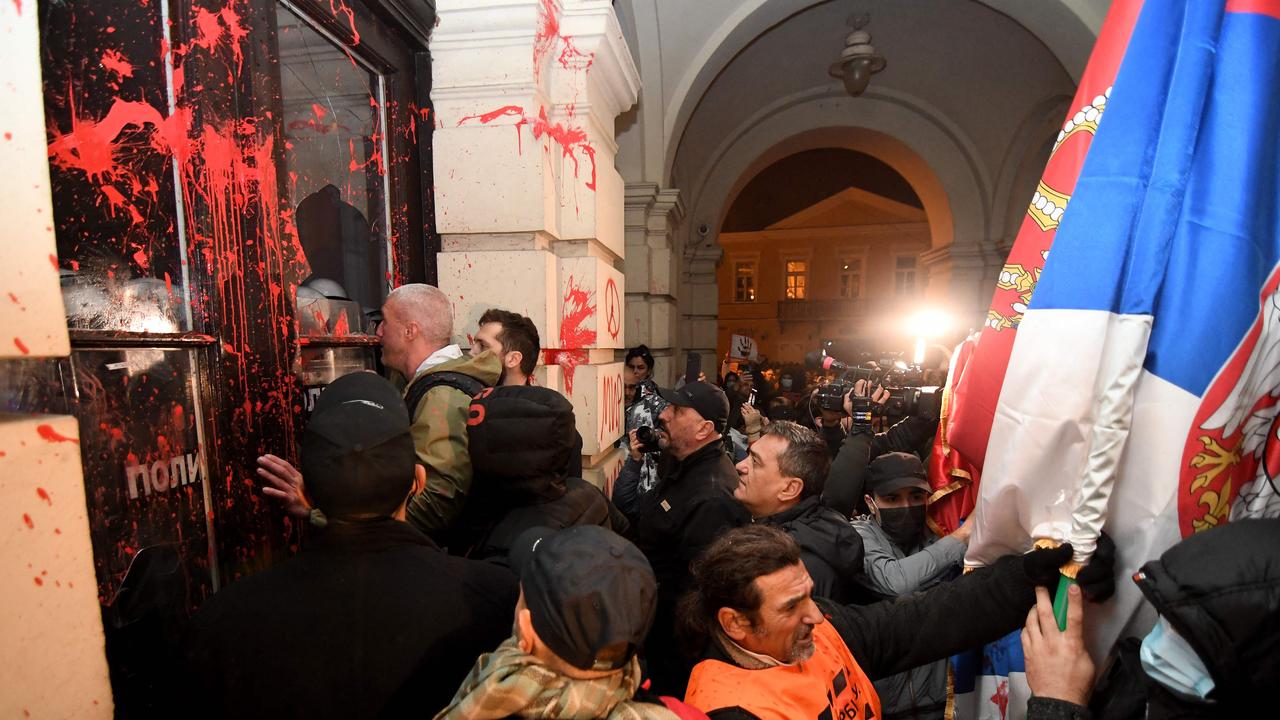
(903, 556)
(690, 507)
(370, 618)
(586, 602)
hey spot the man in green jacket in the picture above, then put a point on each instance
(415, 332)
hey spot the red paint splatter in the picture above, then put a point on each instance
(342, 326)
(568, 360)
(577, 307)
(141, 257)
(53, 260)
(27, 519)
(14, 298)
(568, 138)
(168, 284)
(115, 62)
(341, 7)
(48, 433)
(319, 110)
(39, 582)
(8, 136)
(22, 347)
(17, 5)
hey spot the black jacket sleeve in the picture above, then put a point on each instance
(895, 635)
(843, 491)
(1050, 709)
(733, 713)
(906, 435)
(626, 488)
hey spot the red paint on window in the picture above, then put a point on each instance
(115, 62)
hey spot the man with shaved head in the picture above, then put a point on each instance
(416, 333)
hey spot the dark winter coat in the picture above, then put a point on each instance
(829, 546)
(521, 439)
(685, 512)
(368, 620)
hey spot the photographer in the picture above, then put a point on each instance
(844, 491)
(690, 507)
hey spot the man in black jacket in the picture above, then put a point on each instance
(685, 512)
(370, 619)
(780, 483)
(521, 438)
(771, 650)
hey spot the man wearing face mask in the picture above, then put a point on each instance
(902, 556)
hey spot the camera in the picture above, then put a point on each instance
(904, 401)
(830, 397)
(647, 438)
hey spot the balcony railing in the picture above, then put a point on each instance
(811, 310)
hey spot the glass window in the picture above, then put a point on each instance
(851, 278)
(904, 275)
(121, 253)
(334, 158)
(797, 279)
(744, 289)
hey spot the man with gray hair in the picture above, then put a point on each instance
(780, 482)
(416, 331)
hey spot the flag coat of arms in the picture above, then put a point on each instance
(1141, 392)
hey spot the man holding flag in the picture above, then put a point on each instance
(1141, 389)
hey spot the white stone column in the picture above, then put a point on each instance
(51, 637)
(529, 204)
(700, 304)
(652, 216)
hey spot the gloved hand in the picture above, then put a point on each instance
(1041, 565)
(1097, 580)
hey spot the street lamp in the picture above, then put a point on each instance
(859, 59)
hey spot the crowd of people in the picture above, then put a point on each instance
(757, 557)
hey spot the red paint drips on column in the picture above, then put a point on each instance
(27, 519)
(40, 493)
(22, 347)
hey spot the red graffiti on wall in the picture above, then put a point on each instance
(576, 308)
(611, 408)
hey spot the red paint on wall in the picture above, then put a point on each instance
(48, 433)
(568, 360)
(40, 493)
(577, 307)
(22, 347)
(27, 520)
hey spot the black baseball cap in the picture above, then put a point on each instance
(894, 471)
(357, 450)
(587, 588)
(710, 401)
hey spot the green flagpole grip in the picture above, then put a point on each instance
(1060, 601)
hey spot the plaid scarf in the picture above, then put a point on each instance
(508, 682)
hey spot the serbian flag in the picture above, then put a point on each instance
(1141, 392)
(971, 418)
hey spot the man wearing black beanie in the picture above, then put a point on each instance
(370, 618)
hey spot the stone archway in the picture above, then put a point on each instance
(931, 153)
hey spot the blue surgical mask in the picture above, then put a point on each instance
(1169, 660)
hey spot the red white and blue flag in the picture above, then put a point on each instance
(1142, 388)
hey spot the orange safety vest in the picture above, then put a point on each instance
(828, 686)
